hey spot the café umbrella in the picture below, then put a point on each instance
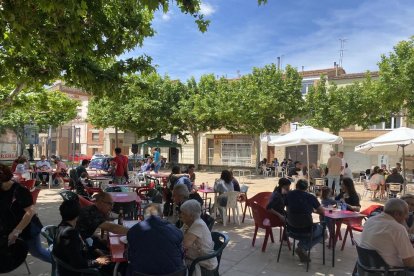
(305, 136)
(398, 140)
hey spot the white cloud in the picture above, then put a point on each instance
(207, 9)
(166, 16)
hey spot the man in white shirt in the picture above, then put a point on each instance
(341, 155)
(43, 167)
(386, 234)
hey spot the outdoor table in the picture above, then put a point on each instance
(132, 187)
(121, 197)
(118, 248)
(99, 179)
(242, 173)
(205, 193)
(337, 217)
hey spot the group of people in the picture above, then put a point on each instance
(379, 178)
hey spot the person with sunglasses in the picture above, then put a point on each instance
(96, 216)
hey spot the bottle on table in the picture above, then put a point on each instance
(121, 216)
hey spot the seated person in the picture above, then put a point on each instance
(236, 185)
(409, 222)
(176, 177)
(394, 177)
(327, 197)
(191, 173)
(21, 168)
(61, 171)
(147, 165)
(155, 246)
(314, 172)
(82, 183)
(276, 203)
(377, 182)
(197, 237)
(296, 169)
(68, 246)
(348, 195)
(43, 167)
(300, 202)
(82, 168)
(95, 216)
(386, 234)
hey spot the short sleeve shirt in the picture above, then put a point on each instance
(388, 237)
(121, 165)
(89, 220)
(301, 202)
(43, 164)
(203, 245)
(156, 157)
(12, 205)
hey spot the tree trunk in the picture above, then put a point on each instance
(196, 142)
(116, 137)
(258, 150)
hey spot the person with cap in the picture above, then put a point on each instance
(301, 204)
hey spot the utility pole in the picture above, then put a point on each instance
(341, 51)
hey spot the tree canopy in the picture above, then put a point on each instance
(79, 42)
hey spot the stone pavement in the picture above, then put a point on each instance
(239, 258)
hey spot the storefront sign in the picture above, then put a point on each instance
(223, 136)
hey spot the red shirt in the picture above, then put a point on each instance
(121, 165)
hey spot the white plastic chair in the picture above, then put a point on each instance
(394, 189)
(367, 189)
(231, 205)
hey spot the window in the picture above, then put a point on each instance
(236, 152)
(95, 137)
(392, 123)
(306, 85)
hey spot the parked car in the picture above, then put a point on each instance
(78, 157)
(101, 164)
(100, 155)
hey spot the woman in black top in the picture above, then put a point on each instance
(18, 216)
(276, 203)
(68, 246)
(349, 196)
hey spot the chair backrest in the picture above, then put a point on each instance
(261, 198)
(319, 182)
(49, 232)
(86, 271)
(84, 202)
(209, 220)
(220, 242)
(409, 188)
(68, 195)
(181, 272)
(375, 207)
(232, 199)
(244, 188)
(263, 218)
(29, 184)
(394, 187)
(370, 259)
(35, 194)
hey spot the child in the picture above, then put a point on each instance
(327, 197)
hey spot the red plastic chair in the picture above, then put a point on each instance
(35, 194)
(265, 220)
(84, 202)
(261, 198)
(29, 184)
(355, 224)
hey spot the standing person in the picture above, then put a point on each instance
(157, 159)
(334, 167)
(18, 216)
(341, 155)
(347, 171)
(43, 167)
(121, 170)
(276, 165)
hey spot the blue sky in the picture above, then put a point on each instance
(243, 35)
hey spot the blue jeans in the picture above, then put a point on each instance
(37, 250)
(157, 167)
(337, 179)
(304, 241)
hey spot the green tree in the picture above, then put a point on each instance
(335, 108)
(262, 101)
(396, 78)
(77, 41)
(39, 107)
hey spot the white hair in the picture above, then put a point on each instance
(395, 206)
(191, 207)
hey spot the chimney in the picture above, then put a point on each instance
(336, 69)
(278, 63)
(303, 68)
